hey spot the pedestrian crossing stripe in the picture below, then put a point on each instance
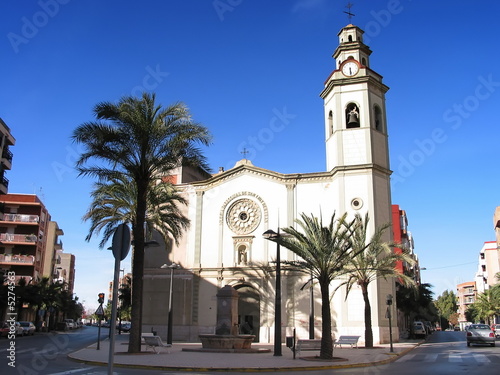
(452, 357)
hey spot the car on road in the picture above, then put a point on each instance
(496, 328)
(28, 328)
(70, 323)
(419, 329)
(480, 334)
(4, 329)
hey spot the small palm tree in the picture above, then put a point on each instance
(140, 141)
(372, 259)
(323, 253)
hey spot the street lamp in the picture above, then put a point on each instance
(273, 236)
(389, 303)
(172, 267)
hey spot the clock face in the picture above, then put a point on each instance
(349, 69)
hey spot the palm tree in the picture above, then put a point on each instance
(114, 202)
(323, 253)
(373, 259)
(488, 303)
(139, 141)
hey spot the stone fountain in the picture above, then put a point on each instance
(227, 338)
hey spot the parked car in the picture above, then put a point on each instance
(419, 329)
(496, 329)
(19, 330)
(4, 329)
(480, 334)
(28, 328)
(70, 323)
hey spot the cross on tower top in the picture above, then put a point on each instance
(245, 152)
(349, 14)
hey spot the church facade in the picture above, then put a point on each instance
(230, 211)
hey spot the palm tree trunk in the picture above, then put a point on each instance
(326, 351)
(134, 344)
(368, 317)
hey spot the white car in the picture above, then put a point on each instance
(28, 328)
(419, 329)
(70, 323)
(480, 334)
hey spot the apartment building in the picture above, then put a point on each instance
(466, 295)
(24, 223)
(402, 235)
(6, 140)
(488, 266)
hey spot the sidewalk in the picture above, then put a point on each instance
(175, 359)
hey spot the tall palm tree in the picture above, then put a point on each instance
(139, 141)
(373, 259)
(323, 253)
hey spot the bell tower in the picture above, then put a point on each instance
(357, 155)
(354, 103)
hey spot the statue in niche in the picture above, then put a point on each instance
(242, 255)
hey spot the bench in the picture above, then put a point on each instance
(307, 345)
(154, 342)
(347, 340)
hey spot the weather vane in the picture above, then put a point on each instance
(349, 14)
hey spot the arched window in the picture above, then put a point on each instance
(377, 114)
(352, 116)
(363, 61)
(350, 38)
(330, 123)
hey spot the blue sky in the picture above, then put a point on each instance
(238, 64)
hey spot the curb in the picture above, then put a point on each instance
(393, 357)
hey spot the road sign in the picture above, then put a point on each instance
(121, 242)
(99, 311)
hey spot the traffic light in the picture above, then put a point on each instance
(101, 298)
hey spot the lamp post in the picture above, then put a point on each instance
(273, 236)
(172, 267)
(311, 310)
(389, 303)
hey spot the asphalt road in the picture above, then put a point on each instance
(443, 353)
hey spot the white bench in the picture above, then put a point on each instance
(347, 340)
(307, 345)
(154, 342)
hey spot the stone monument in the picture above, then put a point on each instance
(227, 338)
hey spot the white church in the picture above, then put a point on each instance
(229, 212)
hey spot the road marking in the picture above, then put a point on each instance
(481, 358)
(406, 357)
(455, 357)
(431, 358)
(75, 371)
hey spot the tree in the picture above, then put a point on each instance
(488, 304)
(446, 304)
(416, 303)
(138, 141)
(324, 252)
(124, 296)
(373, 259)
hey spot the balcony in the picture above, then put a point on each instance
(19, 218)
(23, 260)
(7, 158)
(4, 185)
(18, 238)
